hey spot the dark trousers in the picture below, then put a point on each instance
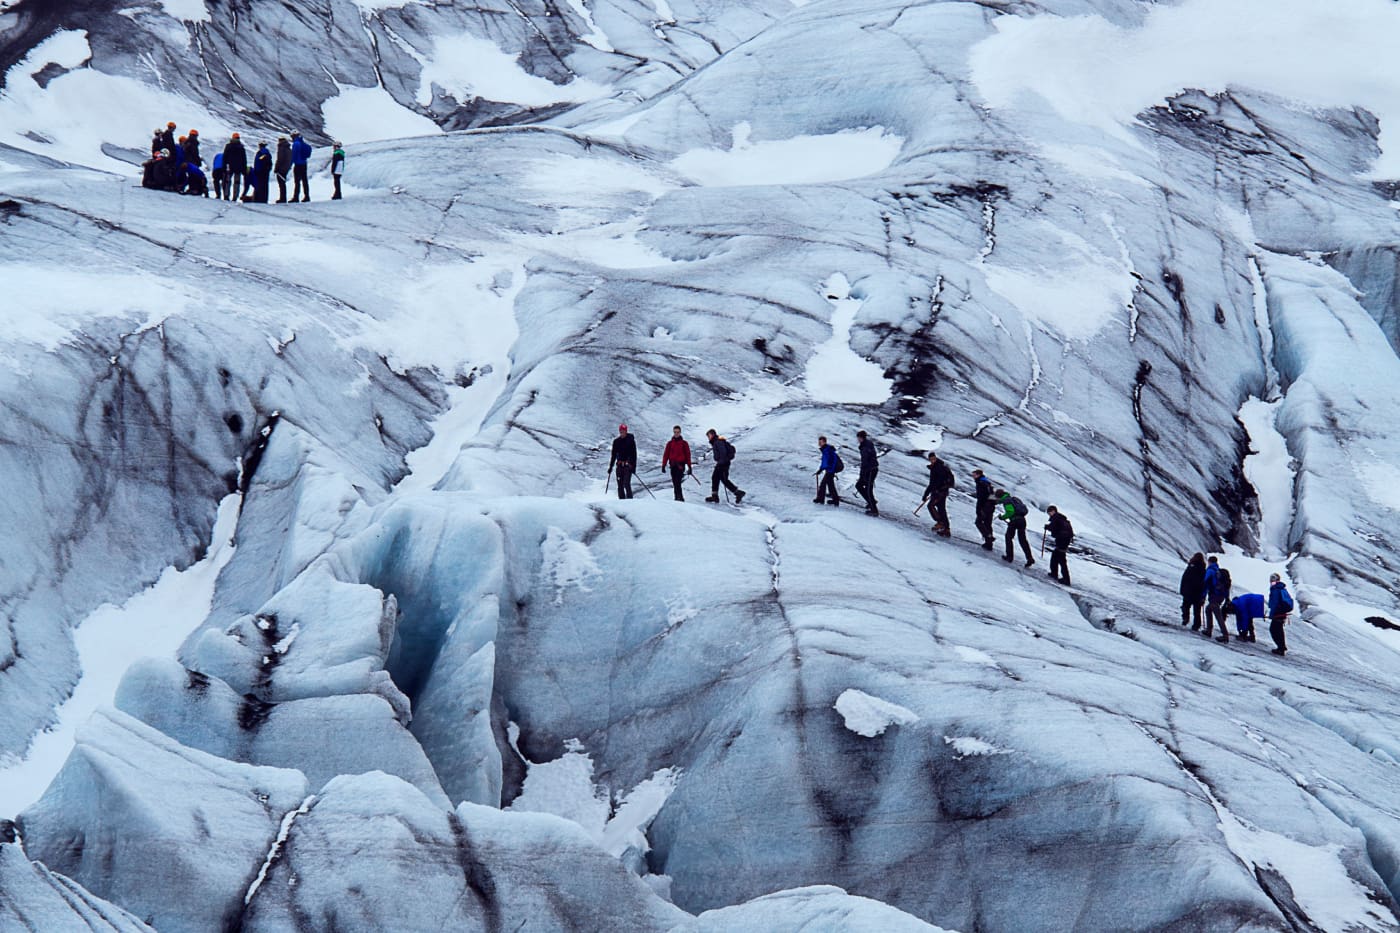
(1016, 528)
(281, 188)
(234, 185)
(826, 489)
(624, 480)
(985, 510)
(1058, 562)
(1214, 615)
(866, 486)
(938, 509)
(300, 184)
(1190, 607)
(1276, 630)
(721, 477)
(219, 175)
(678, 481)
(336, 195)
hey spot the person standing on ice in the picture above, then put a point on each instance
(723, 452)
(281, 166)
(1062, 532)
(624, 457)
(986, 508)
(235, 169)
(262, 173)
(192, 148)
(337, 168)
(1245, 608)
(157, 142)
(676, 458)
(869, 469)
(940, 481)
(1193, 590)
(167, 137)
(301, 154)
(1217, 594)
(1280, 605)
(1014, 512)
(826, 474)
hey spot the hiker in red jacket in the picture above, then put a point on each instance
(677, 457)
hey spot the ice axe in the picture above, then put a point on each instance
(607, 481)
(921, 505)
(1043, 533)
(638, 477)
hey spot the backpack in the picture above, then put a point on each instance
(732, 451)
(1222, 580)
(1286, 600)
(840, 464)
(1018, 508)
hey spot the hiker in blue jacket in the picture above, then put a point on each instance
(1217, 594)
(1245, 608)
(301, 153)
(826, 474)
(1280, 605)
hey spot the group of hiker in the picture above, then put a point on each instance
(1206, 601)
(176, 165)
(1205, 586)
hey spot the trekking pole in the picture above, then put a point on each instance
(638, 477)
(606, 482)
(1043, 533)
(921, 505)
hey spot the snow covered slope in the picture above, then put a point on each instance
(435, 654)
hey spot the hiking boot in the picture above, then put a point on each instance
(1030, 561)
(834, 502)
(1007, 557)
(1224, 639)
(872, 511)
(987, 545)
(739, 496)
(819, 501)
(1278, 651)
(712, 498)
(1065, 581)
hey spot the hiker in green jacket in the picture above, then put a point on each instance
(1014, 514)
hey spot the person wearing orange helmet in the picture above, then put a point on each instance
(235, 168)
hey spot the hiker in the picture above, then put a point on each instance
(167, 137)
(337, 168)
(148, 170)
(723, 452)
(940, 480)
(1280, 605)
(235, 169)
(178, 157)
(163, 172)
(1014, 513)
(826, 474)
(1193, 590)
(195, 181)
(192, 148)
(869, 469)
(624, 457)
(157, 142)
(986, 507)
(1245, 608)
(676, 456)
(301, 152)
(218, 175)
(1062, 532)
(1217, 595)
(281, 167)
(261, 176)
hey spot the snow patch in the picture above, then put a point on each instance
(594, 36)
(967, 746)
(800, 160)
(740, 411)
(190, 11)
(361, 114)
(1101, 75)
(467, 67)
(870, 716)
(567, 563)
(835, 373)
(1082, 293)
(1272, 472)
(154, 622)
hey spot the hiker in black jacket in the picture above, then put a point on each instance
(282, 166)
(940, 480)
(624, 457)
(1063, 533)
(1193, 590)
(1014, 513)
(235, 168)
(986, 507)
(723, 452)
(869, 468)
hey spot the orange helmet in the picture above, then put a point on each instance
(194, 132)
(171, 124)
(234, 136)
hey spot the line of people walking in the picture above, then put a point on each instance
(176, 165)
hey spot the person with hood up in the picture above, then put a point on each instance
(826, 474)
(281, 167)
(1280, 605)
(624, 457)
(1014, 512)
(723, 452)
(1062, 532)
(869, 469)
(337, 168)
(986, 508)
(261, 176)
(940, 481)
(1193, 590)
(235, 169)
(676, 458)
(301, 154)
